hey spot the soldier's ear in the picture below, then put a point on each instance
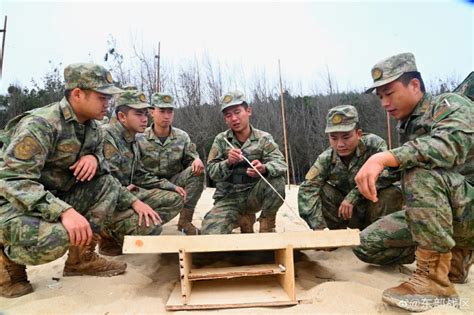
(122, 117)
(249, 110)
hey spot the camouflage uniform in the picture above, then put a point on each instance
(330, 181)
(438, 176)
(123, 156)
(466, 87)
(236, 193)
(36, 184)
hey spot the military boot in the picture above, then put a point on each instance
(83, 260)
(108, 246)
(185, 222)
(246, 222)
(13, 279)
(460, 264)
(429, 285)
(267, 224)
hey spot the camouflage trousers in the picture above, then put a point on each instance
(125, 221)
(225, 214)
(364, 213)
(439, 215)
(193, 185)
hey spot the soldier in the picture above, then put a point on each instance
(54, 188)
(436, 159)
(240, 192)
(329, 196)
(167, 152)
(123, 156)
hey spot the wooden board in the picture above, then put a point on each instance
(185, 264)
(232, 293)
(234, 272)
(287, 280)
(240, 242)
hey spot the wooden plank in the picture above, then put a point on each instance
(232, 293)
(240, 242)
(234, 272)
(185, 265)
(287, 280)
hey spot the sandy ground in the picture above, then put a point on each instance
(336, 282)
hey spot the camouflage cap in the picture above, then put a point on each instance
(466, 87)
(133, 98)
(341, 118)
(390, 69)
(232, 98)
(162, 100)
(88, 76)
(129, 87)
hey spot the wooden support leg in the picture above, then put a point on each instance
(287, 280)
(185, 265)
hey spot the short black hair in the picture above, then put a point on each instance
(408, 76)
(122, 109)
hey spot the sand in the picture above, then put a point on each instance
(335, 282)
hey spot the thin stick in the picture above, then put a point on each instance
(266, 181)
(284, 127)
(158, 69)
(389, 132)
(4, 31)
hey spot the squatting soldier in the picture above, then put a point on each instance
(54, 188)
(436, 158)
(142, 194)
(329, 196)
(240, 192)
(167, 152)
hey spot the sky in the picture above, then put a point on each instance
(346, 37)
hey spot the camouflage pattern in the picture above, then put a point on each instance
(232, 98)
(390, 69)
(251, 194)
(172, 160)
(329, 181)
(341, 118)
(162, 100)
(133, 99)
(123, 156)
(36, 185)
(88, 76)
(466, 87)
(438, 176)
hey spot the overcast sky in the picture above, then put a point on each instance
(346, 37)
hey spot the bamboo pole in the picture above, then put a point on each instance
(158, 69)
(4, 31)
(389, 132)
(284, 126)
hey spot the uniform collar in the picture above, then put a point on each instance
(253, 136)
(150, 133)
(69, 114)
(360, 150)
(420, 109)
(124, 132)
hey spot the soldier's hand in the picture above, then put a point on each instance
(85, 168)
(259, 166)
(132, 187)
(197, 167)
(182, 192)
(145, 211)
(345, 210)
(234, 156)
(370, 171)
(78, 228)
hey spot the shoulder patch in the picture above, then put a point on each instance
(109, 151)
(27, 148)
(312, 173)
(212, 154)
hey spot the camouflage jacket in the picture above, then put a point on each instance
(122, 153)
(439, 133)
(259, 146)
(34, 163)
(330, 169)
(169, 158)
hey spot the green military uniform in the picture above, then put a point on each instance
(172, 158)
(123, 156)
(330, 181)
(36, 184)
(237, 193)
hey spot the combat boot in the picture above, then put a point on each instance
(246, 222)
(108, 246)
(13, 279)
(267, 224)
(429, 286)
(460, 264)
(83, 260)
(185, 222)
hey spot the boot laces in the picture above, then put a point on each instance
(420, 276)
